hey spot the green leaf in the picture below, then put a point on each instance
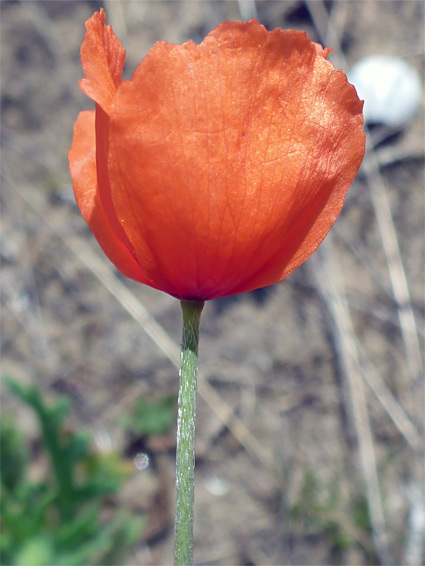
(13, 454)
(58, 521)
(38, 551)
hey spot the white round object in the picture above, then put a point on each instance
(391, 89)
(141, 461)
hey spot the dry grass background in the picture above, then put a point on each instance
(319, 376)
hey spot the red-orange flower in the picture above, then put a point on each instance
(218, 168)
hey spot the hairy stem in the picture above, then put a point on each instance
(185, 458)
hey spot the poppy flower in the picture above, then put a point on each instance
(218, 168)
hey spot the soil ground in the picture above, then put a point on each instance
(282, 461)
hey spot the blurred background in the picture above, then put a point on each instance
(311, 405)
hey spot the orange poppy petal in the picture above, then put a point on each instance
(229, 161)
(82, 164)
(323, 52)
(102, 57)
(104, 191)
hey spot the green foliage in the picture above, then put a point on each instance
(13, 456)
(152, 418)
(59, 519)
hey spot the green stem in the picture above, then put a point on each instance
(185, 458)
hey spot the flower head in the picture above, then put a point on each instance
(218, 168)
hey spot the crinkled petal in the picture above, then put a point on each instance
(102, 57)
(324, 52)
(104, 190)
(82, 163)
(229, 161)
